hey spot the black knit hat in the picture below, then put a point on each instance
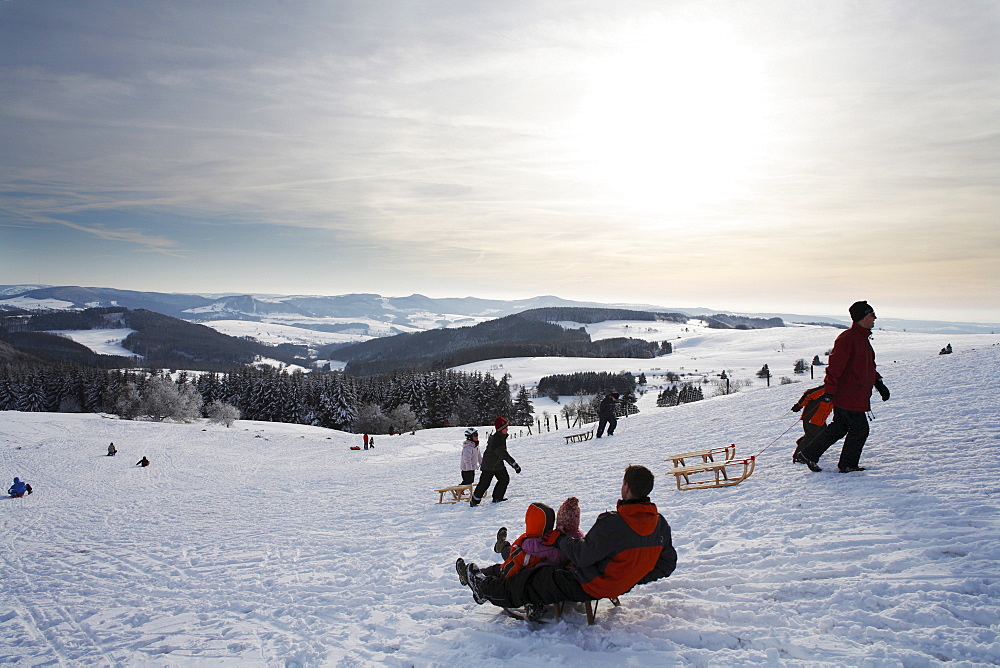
(859, 310)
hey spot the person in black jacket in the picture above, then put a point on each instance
(493, 465)
(606, 415)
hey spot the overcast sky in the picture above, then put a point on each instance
(754, 156)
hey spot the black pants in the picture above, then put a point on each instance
(611, 422)
(810, 431)
(540, 585)
(853, 425)
(468, 477)
(485, 478)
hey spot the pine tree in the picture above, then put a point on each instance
(523, 409)
(667, 397)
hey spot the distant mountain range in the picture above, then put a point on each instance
(365, 312)
(201, 308)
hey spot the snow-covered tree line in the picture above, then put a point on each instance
(334, 400)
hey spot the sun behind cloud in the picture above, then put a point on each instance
(675, 116)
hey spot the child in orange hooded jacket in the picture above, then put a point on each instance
(527, 550)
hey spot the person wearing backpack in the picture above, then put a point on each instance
(814, 415)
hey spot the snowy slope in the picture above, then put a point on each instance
(270, 544)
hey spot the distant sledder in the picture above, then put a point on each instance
(19, 489)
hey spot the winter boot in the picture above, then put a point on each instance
(501, 540)
(802, 459)
(475, 581)
(534, 612)
(463, 572)
(850, 469)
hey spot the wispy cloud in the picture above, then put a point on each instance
(407, 139)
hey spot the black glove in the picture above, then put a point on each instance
(517, 469)
(826, 398)
(796, 408)
(882, 389)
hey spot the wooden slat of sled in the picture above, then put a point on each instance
(722, 454)
(718, 474)
(458, 493)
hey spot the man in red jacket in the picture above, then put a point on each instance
(624, 548)
(850, 377)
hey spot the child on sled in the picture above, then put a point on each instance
(527, 550)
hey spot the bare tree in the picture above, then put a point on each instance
(222, 413)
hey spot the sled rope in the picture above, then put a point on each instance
(776, 439)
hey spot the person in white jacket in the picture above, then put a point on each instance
(471, 456)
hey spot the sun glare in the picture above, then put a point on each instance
(673, 117)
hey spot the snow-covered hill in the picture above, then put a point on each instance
(271, 544)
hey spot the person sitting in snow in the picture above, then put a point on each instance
(471, 456)
(624, 548)
(142, 462)
(112, 450)
(528, 550)
(19, 488)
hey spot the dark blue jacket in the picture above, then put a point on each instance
(18, 487)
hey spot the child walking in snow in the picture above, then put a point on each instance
(471, 456)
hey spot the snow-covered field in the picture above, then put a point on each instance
(101, 341)
(271, 544)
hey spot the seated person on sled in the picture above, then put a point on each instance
(527, 551)
(624, 548)
(19, 488)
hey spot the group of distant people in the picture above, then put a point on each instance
(112, 451)
(20, 488)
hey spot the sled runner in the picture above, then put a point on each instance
(710, 473)
(579, 438)
(458, 494)
(520, 615)
(591, 608)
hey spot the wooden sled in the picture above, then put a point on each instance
(725, 454)
(713, 474)
(579, 438)
(458, 494)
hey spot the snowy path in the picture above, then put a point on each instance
(270, 544)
